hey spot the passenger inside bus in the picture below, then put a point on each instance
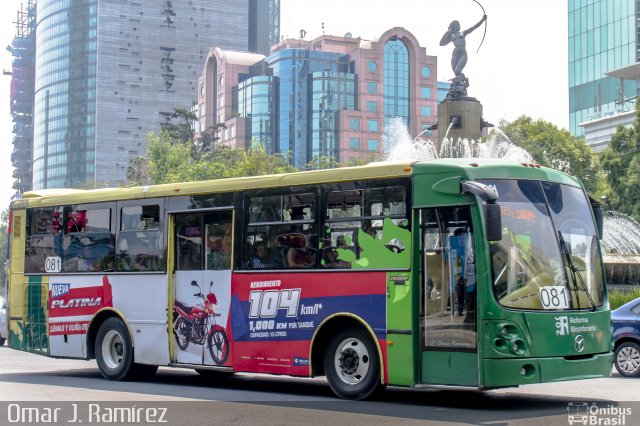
(299, 254)
(330, 259)
(263, 258)
(144, 262)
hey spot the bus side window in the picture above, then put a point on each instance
(88, 240)
(139, 243)
(373, 222)
(282, 232)
(43, 239)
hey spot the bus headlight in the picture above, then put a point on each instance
(507, 339)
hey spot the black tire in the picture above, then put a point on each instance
(218, 344)
(181, 324)
(2, 340)
(114, 351)
(627, 359)
(352, 365)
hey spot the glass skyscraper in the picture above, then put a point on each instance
(602, 38)
(312, 87)
(255, 101)
(109, 72)
(331, 91)
(65, 99)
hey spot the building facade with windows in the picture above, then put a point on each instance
(326, 97)
(108, 72)
(603, 37)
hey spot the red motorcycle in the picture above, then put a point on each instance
(195, 324)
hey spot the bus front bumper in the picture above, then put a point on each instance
(523, 371)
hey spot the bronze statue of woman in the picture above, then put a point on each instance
(459, 55)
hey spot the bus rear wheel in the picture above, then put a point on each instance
(114, 353)
(352, 365)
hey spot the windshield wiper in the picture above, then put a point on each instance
(575, 273)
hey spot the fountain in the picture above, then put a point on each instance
(621, 249)
(400, 146)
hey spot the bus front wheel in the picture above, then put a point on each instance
(114, 353)
(352, 365)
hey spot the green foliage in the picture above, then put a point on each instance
(621, 162)
(168, 160)
(556, 148)
(138, 172)
(618, 297)
(321, 162)
(179, 128)
(330, 162)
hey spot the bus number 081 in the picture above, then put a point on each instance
(554, 297)
(52, 264)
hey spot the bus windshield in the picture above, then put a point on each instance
(548, 258)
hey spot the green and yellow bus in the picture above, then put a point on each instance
(463, 273)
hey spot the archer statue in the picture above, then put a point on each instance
(458, 57)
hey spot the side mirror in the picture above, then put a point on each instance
(493, 221)
(598, 215)
(492, 215)
(194, 283)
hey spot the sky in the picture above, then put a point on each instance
(520, 69)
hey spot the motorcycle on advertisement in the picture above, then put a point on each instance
(195, 324)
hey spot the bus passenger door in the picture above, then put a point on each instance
(448, 308)
(202, 288)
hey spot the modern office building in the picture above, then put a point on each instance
(110, 71)
(330, 96)
(599, 130)
(603, 37)
(23, 50)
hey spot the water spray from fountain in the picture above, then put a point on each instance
(621, 234)
(400, 146)
(621, 248)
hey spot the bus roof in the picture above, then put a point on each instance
(494, 168)
(50, 197)
(470, 167)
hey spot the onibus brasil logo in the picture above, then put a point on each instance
(593, 414)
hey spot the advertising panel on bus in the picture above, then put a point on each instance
(275, 317)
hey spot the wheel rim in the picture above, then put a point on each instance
(628, 359)
(112, 349)
(217, 347)
(352, 361)
(181, 336)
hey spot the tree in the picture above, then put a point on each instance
(621, 163)
(556, 148)
(168, 160)
(180, 128)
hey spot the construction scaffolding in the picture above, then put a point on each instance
(23, 49)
